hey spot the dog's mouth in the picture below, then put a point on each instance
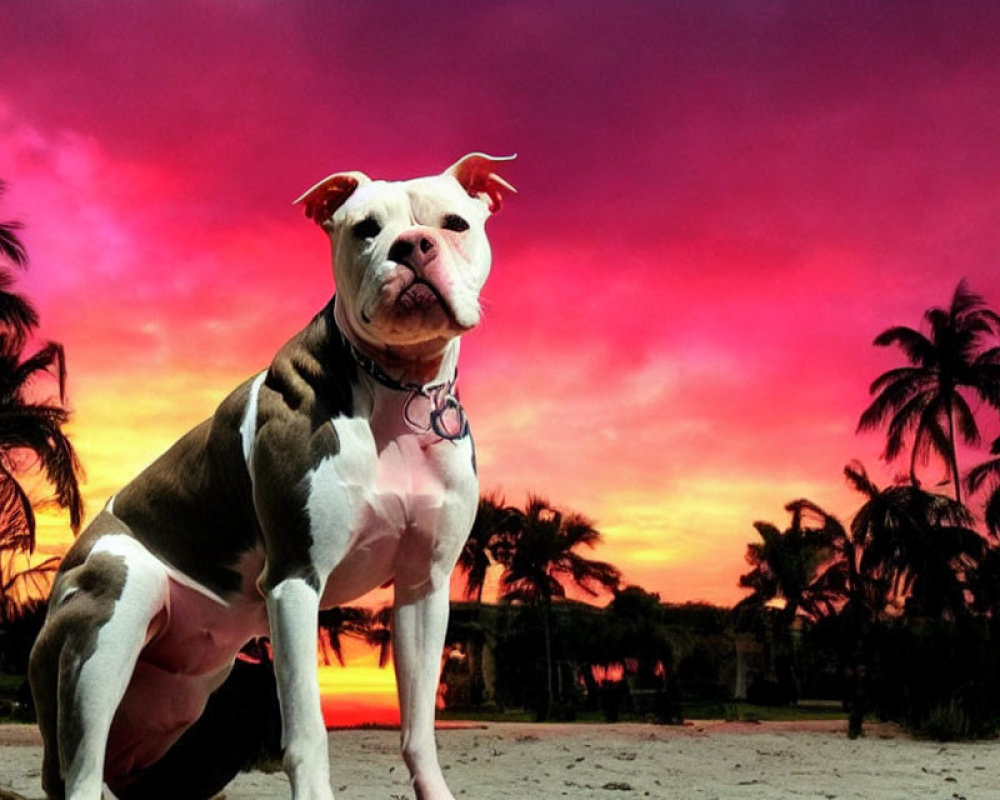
(411, 300)
(420, 294)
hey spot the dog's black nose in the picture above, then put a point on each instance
(400, 251)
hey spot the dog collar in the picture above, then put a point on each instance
(447, 417)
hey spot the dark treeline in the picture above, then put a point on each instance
(905, 598)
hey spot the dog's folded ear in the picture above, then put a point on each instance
(323, 199)
(476, 173)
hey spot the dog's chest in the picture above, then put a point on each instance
(381, 505)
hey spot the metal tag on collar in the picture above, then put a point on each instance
(447, 417)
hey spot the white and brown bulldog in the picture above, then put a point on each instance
(347, 465)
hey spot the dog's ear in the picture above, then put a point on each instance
(476, 173)
(323, 199)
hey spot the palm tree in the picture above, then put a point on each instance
(371, 627)
(335, 624)
(916, 545)
(31, 435)
(489, 542)
(787, 565)
(802, 568)
(543, 556)
(924, 400)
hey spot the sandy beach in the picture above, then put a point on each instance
(709, 760)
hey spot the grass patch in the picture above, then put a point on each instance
(736, 711)
(507, 715)
(732, 711)
(9, 684)
(12, 692)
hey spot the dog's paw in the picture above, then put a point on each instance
(432, 789)
(317, 792)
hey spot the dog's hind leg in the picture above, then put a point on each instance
(102, 615)
(43, 672)
(241, 724)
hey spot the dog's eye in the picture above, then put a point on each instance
(453, 222)
(367, 228)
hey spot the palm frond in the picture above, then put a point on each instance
(965, 301)
(12, 249)
(339, 622)
(981, 473)
(18, 317)
(21, 585)
(897, 401)
(965, 420)
(903, 379)
(17, 516)
(919, 350)
(380, 634)
(929, 435)
(51, 357)
(591, 576)
(983, 376)
(991, 513)
(905, 420)
(857, 476)
(38, 427)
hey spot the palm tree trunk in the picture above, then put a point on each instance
(858, 636)
(546, 624)
(856, 717)
(789, 634)
(956, 478)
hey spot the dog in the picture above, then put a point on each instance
(347, 465)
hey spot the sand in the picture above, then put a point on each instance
(615, 762)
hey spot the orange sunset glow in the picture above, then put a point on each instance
(719, 207)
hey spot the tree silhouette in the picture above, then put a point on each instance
(924, 401)
(371, 627)
(490, 541)
(914, 544)
(787, 566)
(31, 435)
(797, 568)
(640, 638)
(544, 555)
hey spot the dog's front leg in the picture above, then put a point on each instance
(293, 606)
(420, 622)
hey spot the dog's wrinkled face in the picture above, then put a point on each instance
(413, 257)
(410, 257)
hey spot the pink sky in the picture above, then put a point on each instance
(720, 206)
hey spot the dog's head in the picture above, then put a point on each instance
(410, 257)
